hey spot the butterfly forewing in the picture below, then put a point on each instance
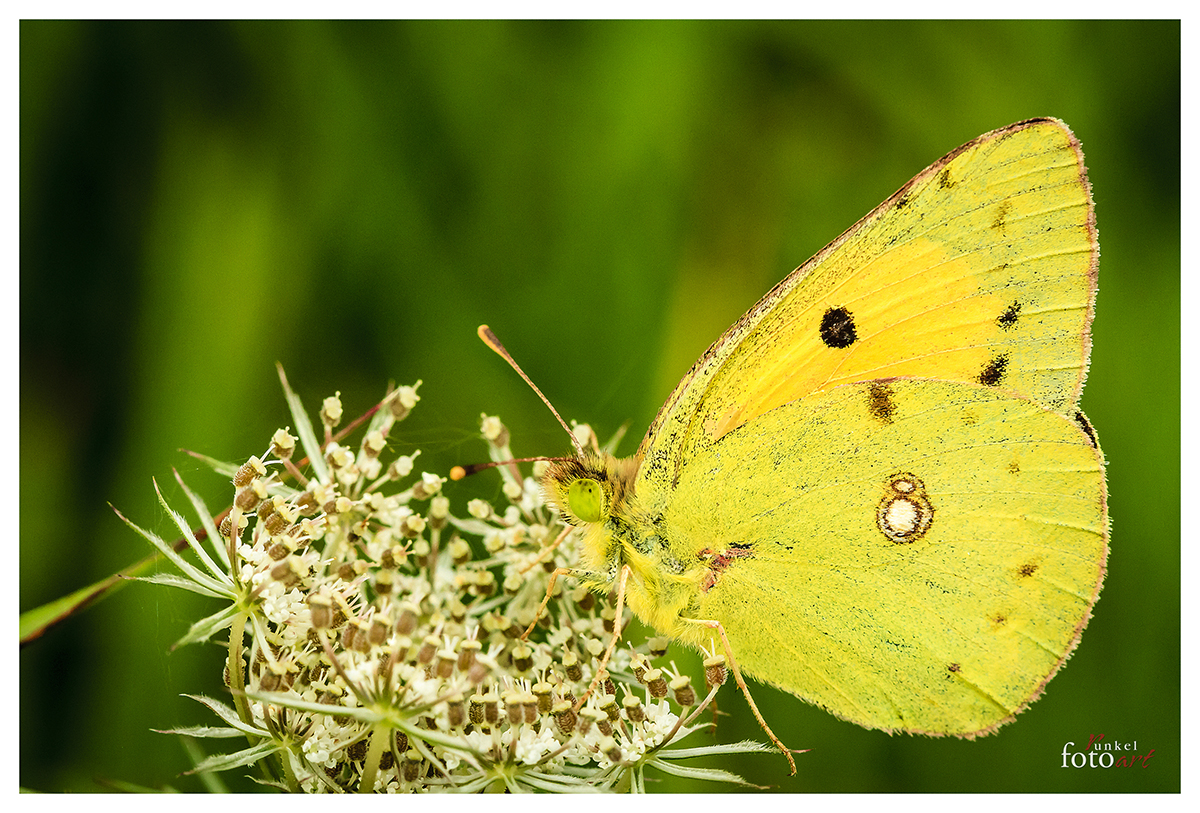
(981, 269)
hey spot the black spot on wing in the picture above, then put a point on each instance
(1008, 319)
(993, 373)
(944, 179)
(1001, 220)
(837, 328)
(879, 402)
(1086, 426)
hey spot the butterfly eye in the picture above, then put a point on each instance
(585, 499)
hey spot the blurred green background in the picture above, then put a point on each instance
(199, 200)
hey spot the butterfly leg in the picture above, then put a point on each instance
(584, 575)
(616, 636)
(737, 676)
(612, 644)
(558, 571)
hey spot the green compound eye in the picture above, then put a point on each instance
(585, 498)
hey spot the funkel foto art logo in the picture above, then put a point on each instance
(1100, 754)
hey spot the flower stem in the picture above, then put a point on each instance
(237, 677)
(380, 734)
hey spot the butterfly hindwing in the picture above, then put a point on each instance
(909, 554)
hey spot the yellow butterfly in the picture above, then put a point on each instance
(877, 489)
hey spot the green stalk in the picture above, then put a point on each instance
(237, 680)
(380, 734)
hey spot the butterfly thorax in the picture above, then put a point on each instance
(596, 493)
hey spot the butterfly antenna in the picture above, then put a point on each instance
(489, 338)
(459, 472)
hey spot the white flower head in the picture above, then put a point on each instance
(371, 608)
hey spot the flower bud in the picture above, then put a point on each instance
(402, 466)
(481, 668)
(485, 583)
(428, 647)
(377, 633)
(512, 584)
(544, 693)
(402, 400)
(412, 766)
(610, 749)
(584, 599)
(460, 550)
(685, 695)
(589, 716)
(373, 443)
(594, 647)
(456, 713)
(407, 622)
(475, 709)
(281, 547)
(714, 671)
(331, 411)
(572, 667)
(250, 497)
(640, 665)
(491, 708)
(289, 571)
(494, 431)
(634, 711)
(427, 486)
(564, 716)
(522, 656)
(608, 704)
(283, 444)
(439, 511)
(467, 651)
(512, 705)
(656, 683)
(412, 526)
(250, 470)
(321, 608)
(445, 665)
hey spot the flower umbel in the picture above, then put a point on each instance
(377, 633)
